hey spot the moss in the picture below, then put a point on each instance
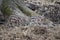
(50, 0)
(26, 12)
(5, 8)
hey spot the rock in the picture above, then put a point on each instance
(40, 21)
(15, 20)
(32, 6)
(51, 12)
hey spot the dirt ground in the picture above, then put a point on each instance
(30, 33)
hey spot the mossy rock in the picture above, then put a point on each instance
(26, 12)
(5, 8)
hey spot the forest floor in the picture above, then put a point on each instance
(30, 33)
